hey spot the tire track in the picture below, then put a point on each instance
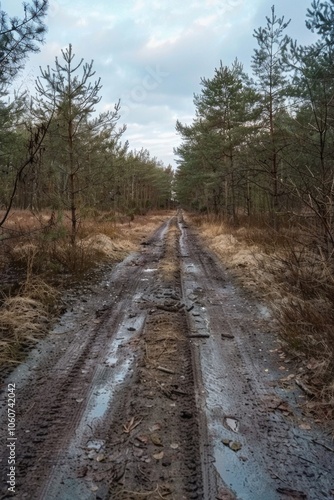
(147, 392)
(260, 447)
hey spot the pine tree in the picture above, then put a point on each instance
(212, 145)
(271, 70)
(71, 98)
(19, 37)
(313, 171)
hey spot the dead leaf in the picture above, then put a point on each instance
(305, 427)
(159, 456)
(100, 457)
(288, 378)
(127, 427)
(143, 439)
(284, 407)
(155, 438)
(155, 427)
(174, 446)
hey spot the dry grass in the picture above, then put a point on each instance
(246, 258)
(297, 281)
(25, 318)
(41, 254)
(46, 249)
(112, 249)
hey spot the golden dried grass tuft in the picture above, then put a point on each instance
(25, 318)
(35, 288)
(246, 260)
(112, 248)
(22, 320)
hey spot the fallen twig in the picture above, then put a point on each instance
(166, 392)
(291, 492)
(165, 370)
(181, 393)
(323, 445)
(127, 428)
(227, 335)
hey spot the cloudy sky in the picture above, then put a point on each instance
(151, 54)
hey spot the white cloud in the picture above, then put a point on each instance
(153, 53)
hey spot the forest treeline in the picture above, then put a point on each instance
(56, 151)
(262, 145)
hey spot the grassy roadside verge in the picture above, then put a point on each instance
(37, 263)
(297, 283)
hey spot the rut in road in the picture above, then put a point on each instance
(163, 382)
(111, 411)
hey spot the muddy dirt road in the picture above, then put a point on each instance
(162, 380)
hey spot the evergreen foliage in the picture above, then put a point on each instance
(263, 145)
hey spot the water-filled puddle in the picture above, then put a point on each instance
(100, 405)
(103, 397)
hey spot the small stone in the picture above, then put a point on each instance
(235, 446)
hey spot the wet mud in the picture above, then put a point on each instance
(164, 380)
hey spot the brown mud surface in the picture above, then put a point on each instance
(163, 380)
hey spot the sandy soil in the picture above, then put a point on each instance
(163, 380)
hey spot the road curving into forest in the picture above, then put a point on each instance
(163, 380)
